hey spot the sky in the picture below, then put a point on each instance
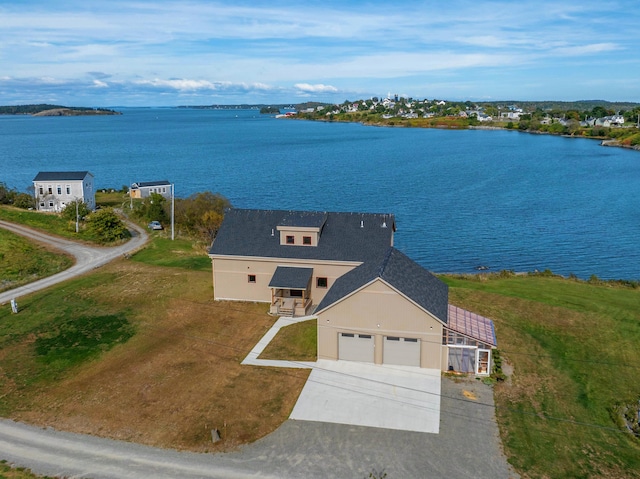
(200, 52)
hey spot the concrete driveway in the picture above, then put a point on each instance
(361, 394)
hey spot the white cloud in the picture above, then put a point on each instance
(319, 88)
(100, 84)
(591, 49)
(179, 84)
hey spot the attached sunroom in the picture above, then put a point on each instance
(468, 339)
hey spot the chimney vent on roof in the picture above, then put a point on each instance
(272, 232)
(384, 221)
(361, 223)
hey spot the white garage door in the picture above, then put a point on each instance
(401, 351)
(355, 347)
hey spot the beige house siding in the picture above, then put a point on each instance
(231, 282)
(380, 310)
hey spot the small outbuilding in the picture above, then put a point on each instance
(143, 189)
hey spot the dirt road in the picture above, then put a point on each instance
(87, 257)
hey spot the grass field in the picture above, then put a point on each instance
(139, 351)
(573, 347)
(142, 353)
(49, 222)
(22, 261)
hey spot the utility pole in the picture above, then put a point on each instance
(173, 209)
(77, 215)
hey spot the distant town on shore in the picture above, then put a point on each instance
(614, 123)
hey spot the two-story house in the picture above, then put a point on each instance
(372, 302)
(54, 190)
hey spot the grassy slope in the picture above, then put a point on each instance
(574, 350)
(175, 379)
(22, 261)
(573, 347)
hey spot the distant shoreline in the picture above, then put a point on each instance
(44, 109)
(604, 141)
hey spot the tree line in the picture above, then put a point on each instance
(199, 215)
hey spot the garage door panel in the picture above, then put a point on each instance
(356, 347)
(401, 351)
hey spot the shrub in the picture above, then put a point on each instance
(106, 227)
(69, 211)
(24, 201)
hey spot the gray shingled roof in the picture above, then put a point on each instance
(60, 175)
(344, 237)
(400, 272)
(307, 219)
(286, 277)
(143, 184)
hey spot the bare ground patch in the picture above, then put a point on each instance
(179, 377)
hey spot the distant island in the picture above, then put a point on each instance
(54, 110)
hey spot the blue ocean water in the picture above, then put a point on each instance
(502, 199)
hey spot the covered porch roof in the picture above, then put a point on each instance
(287, 277)
(472, 325)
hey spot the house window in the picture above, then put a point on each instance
(42, 204)
(306, 240)
(290, 239)
(41, 190)
(68, 190)
(321, 282)
(295, 293)
(50, 204)
(50, 190)
(59, 190)
(251, 278)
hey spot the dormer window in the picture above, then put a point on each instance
(291, 239)
(306, 240)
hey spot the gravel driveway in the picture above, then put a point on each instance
(466, 447)
(87, 257)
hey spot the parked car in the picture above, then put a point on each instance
(155, 225)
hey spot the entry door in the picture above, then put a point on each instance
(483, 359)
(356, 347)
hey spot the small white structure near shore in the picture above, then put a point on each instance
(54, 190)
(143, 189)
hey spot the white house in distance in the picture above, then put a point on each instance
(53, 190)
(143, 189)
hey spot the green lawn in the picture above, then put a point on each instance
(22, 261)
(115, 199)
(49, 222)
(574, 351)
(179, 253)
(297, 342)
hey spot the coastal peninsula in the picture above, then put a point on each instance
(614, 124)
(54, 110)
